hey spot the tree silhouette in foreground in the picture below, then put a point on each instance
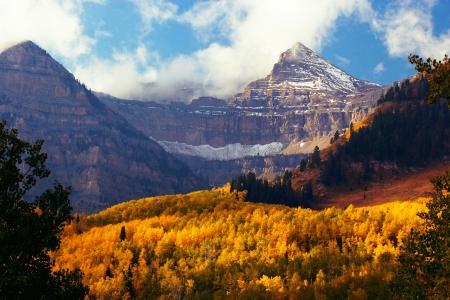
(437, 74)
(424, 271)
(30, 230)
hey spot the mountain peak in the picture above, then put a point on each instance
(89, 146)
(296, 52)
(300, 77)
(27, 48)
(27, 56)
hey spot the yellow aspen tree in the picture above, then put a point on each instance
(141, 271)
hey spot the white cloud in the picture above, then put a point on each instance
(101, 33)
(154, 11)
(57, 26)
(256, 31)
(53, 24)
(242, 39)
(119, 76)
(407, 27)
(379, 68)
(342, 61)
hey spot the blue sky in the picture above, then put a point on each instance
(217, 47)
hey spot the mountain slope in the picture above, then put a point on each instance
(210, 245)
(404, 139)
(302, 103)
(90, 147)
(301, 77)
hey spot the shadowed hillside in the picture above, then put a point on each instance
(388, 151)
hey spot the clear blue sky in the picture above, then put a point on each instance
(116, 46)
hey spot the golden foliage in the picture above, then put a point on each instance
(209, 243)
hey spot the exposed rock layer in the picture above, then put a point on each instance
(90, 147)
(221, 126)
(304, 98)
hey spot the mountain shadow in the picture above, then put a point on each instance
(89, 146)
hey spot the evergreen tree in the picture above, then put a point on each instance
(302, 165)
(424, 271)
(336, 135)
(259, 190)
(128, 277)
(108, 272)
(425, 264)
(123, 234)
(307, 195)
(315, 158)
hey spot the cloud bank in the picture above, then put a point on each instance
(241, 39)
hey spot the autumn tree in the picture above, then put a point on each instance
(29, 230)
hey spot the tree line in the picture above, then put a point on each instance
(278, 191)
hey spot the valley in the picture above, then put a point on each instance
(225, 150)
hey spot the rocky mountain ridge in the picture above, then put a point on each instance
(90, 147)
(302, 103)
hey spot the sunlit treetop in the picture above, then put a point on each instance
(437, 74)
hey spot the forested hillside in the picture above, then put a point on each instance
(209, 244)
(404, 133)
(410, 134)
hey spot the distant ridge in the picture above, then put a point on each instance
(90, 147)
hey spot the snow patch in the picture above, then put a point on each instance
(229, 152)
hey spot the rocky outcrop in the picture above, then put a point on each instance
(90, 147)
(304, 98)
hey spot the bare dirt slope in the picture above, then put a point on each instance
(409, 186)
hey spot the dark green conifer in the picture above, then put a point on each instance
(123, 234)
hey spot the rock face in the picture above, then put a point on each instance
(221, 126)
(302, 78)
(302, 102)
(90, 147)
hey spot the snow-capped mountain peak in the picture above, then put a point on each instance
(299, 77)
